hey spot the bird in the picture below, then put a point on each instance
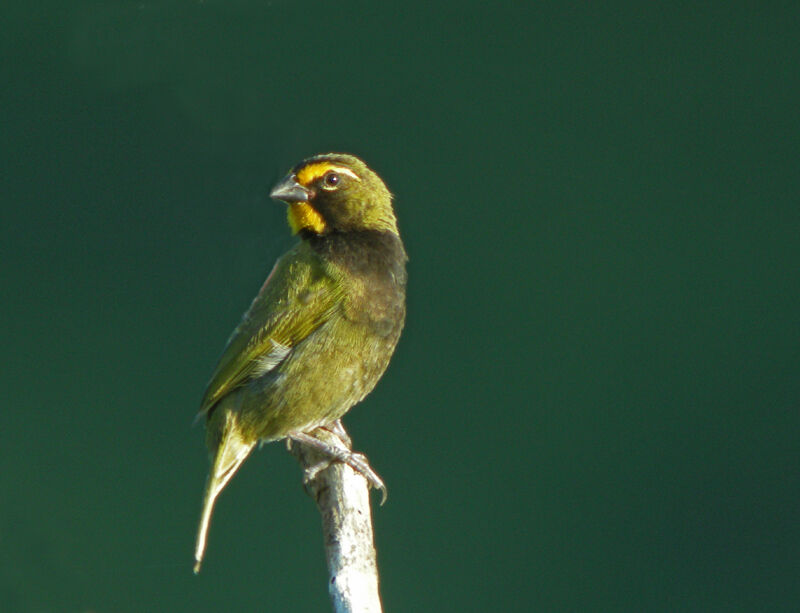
(320, 332)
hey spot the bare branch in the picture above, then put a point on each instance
(342, 496)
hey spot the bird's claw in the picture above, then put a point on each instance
(359, 463)
(337, 449)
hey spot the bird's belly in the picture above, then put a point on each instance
(317, 384)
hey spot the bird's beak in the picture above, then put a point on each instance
(289, 190)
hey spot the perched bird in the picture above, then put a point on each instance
(321, 330)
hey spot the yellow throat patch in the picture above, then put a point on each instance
(303, 216)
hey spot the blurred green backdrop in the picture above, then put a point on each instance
(595, 403)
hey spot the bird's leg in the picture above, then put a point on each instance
(358, 461)
(309, 472)
(337, 428)
(337, 447)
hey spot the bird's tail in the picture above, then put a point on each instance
(230, 454)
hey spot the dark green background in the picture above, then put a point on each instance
(595, 403)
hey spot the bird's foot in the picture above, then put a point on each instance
(334, 443)
(310, 473)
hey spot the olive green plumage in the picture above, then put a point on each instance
(320, 333)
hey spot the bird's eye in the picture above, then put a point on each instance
(331, 180)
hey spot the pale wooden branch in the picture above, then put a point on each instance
(342, 496)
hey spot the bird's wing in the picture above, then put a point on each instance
(297, 298)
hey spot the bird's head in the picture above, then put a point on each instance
(335, 192)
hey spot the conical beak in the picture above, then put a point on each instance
(289, 190)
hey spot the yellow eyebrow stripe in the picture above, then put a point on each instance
(314, 171)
